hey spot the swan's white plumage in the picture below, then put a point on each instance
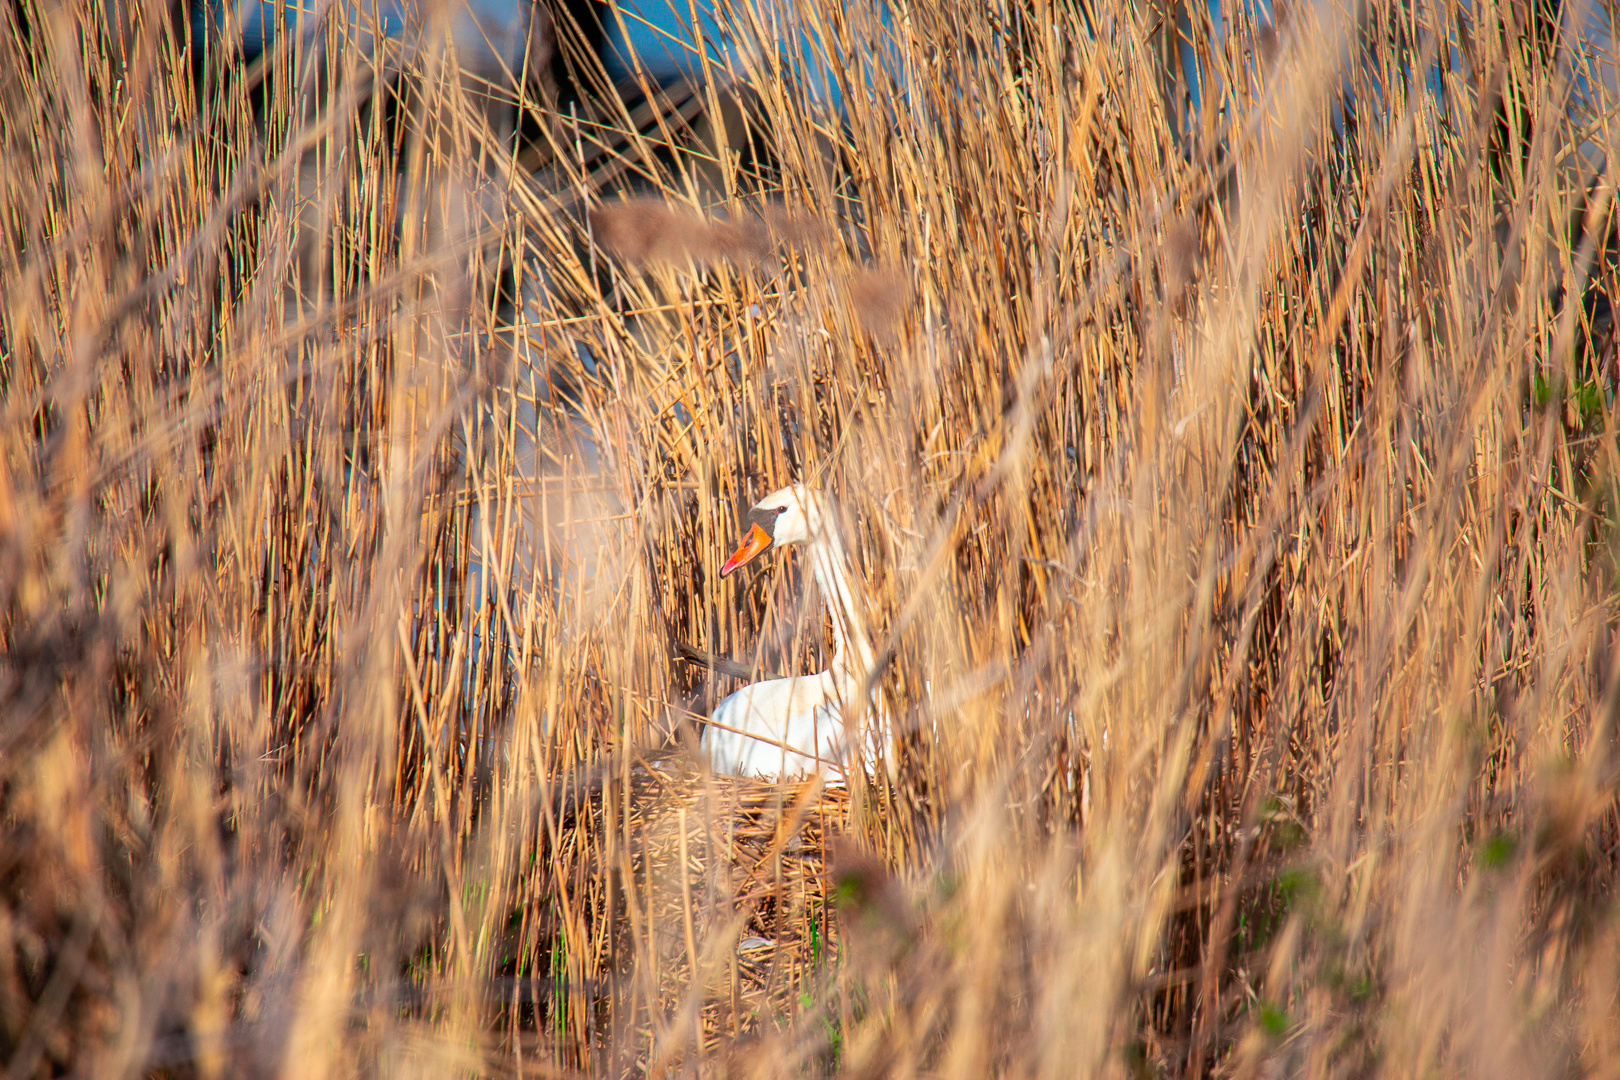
(796, 726)
(777, 728)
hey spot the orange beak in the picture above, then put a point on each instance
(755, 542)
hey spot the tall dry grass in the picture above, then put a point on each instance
(1231, 469)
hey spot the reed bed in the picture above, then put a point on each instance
(1219, 405)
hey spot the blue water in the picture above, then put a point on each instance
(670, 40)
(667, 41)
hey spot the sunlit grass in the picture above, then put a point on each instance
(1231, 475)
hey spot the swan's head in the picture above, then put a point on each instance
(790, 516)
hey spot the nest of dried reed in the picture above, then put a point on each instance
(719, 913)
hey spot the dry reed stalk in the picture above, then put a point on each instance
(1231, 474)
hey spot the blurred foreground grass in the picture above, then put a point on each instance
(1222, 419)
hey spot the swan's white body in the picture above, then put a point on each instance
(795, 727)
(778, 728)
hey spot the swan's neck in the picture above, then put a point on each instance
(852, 650)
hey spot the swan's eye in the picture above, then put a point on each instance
(765, 517)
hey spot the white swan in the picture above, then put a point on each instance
(795, 726)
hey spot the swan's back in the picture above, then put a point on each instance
(777, 728)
